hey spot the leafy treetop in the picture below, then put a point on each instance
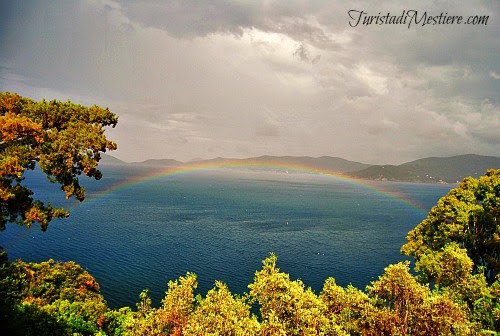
(64, 138)
(468, 216)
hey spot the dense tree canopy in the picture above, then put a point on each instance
(63, 138)
(469, 216)
(61, 299)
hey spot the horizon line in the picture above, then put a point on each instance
(195, 160)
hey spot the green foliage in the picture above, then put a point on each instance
(65, 139)
(287, 303)
(50, 298)
(449, 266)
(61, 299)
(469, 216)
(146, 321)
(220, 313)
(348, 307)
(179, 303)
(413, 308)
(77, 316)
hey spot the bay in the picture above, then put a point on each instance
(221, 225)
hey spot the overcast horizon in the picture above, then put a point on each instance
(242, 158)
(239, 79)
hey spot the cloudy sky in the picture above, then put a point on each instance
(201, 79)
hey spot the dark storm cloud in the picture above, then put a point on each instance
(188, 18)
(447, 45)
(202, 78)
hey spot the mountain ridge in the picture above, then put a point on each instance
(336, 164)
(430, 169)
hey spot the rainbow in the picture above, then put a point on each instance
(214, 166)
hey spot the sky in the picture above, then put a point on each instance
(203, 79)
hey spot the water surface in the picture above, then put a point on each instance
(220, 225)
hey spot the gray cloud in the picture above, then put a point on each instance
(238, 78)
(189, 18)
(303, 54)
(268, 126)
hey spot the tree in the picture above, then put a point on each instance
(49, 298)
(286, 306)
(451, 272)
(468, 216)
(63, 138)
(221, 313)
(179, 303)
(406, 307)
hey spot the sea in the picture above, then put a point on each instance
(137, 230)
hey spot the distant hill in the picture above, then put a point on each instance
(325, 162)
(335, 164)
(322, 163)
(433, 169)
(159, 163)
(108, 160)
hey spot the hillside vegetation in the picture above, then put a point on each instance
(448, 169)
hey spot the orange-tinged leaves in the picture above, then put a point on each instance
(19, 128)
(63, 138)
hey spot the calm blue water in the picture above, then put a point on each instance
(220, 225)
